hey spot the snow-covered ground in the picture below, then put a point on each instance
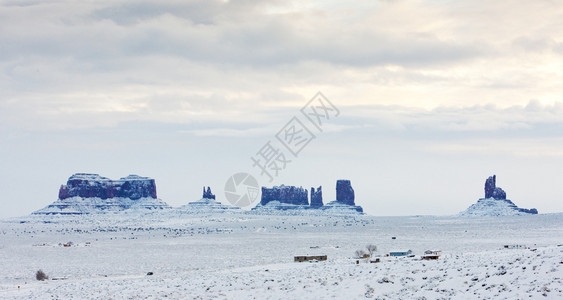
(243, 255)
(492, 207)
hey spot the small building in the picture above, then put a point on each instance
(400, 253)
(309, 258)
(431, 254)
(373, 261)
(515, 247)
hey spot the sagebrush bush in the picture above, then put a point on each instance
(40, 275)
(360, 253)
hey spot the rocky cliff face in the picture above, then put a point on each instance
(207, 194)
(491, 189)
(344, 192)
(92, 193)
(317, 197)
(345, 199)
(285, 194)
(95, 186)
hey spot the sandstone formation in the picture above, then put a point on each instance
(495, 203)
(492, 191)
(316, 197)
(91, 193)
(344, 192)
(207, 194)
(207, 204)
(284, 194)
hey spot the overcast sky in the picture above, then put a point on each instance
(434, 96)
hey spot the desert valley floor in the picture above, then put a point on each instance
(238, 255)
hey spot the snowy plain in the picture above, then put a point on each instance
(248, 255)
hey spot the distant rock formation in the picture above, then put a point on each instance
(345, 198)
(207, 194)
(290, 198)
(206, 204)
(492, 191)
(344, 192)
(95, 186)
(285, 194)
(495, 203)
(89, 193)
(316, 197)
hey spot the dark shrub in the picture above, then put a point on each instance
(40, 275)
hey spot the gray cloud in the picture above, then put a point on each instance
(214, 32)
(531, 120)
(163, 89)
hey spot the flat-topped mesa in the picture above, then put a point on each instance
(492, 191)
(285, 194)
(317, 197)
(91, 193)
(344, 192)
(95, 186)
(207, 194)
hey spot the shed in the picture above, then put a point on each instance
(400, 253)
(515, 247)
(309, 258)
(431, 254)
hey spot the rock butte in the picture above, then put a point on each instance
(291, 197)
(495, 203)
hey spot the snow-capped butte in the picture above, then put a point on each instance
(91, 193)
(292, 198)
(495, 203)
(207, 203)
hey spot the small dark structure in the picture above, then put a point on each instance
(309, 258)
(400, 253)
(373, 261)
(515, 246)
(431, 254)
